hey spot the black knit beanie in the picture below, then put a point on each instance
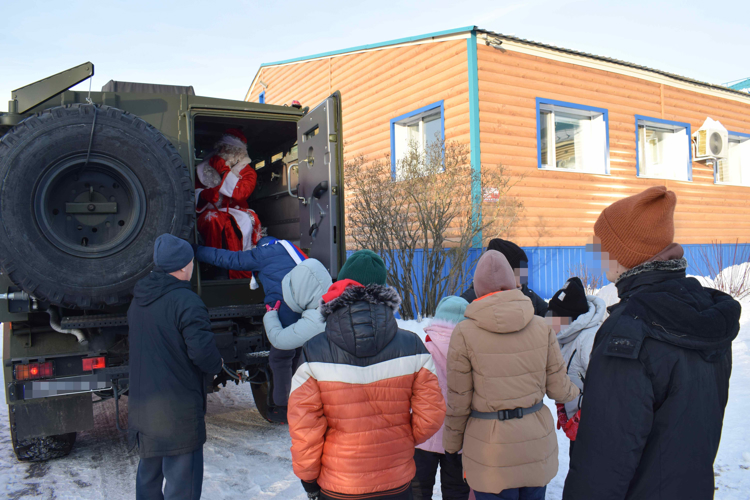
(570, 300)
(512, 252)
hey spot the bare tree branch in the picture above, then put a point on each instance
(423, 224)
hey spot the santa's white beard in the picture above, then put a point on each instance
(232, 155)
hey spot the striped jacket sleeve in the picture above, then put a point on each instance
(307, 423)
(427, 403)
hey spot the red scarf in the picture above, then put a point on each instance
(338, 288)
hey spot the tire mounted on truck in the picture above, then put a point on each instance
(85, 190)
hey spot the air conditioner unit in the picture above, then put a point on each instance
(711, 141)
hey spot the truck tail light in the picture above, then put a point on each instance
(93, 363)
(33, 371)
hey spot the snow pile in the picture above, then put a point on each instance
(734, 280)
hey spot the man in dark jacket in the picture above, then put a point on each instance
(520, 263)
(172, 351)
(271, 260)
(658, 379)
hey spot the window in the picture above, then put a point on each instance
(735, 169)
(420, 127)
(663, 149)
(262, 97)
(572, 137)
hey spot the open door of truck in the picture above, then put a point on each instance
(320, 188)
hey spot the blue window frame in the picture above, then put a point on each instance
(262, 97)
(735, 168)
(421, 126)
(663, 149)
(572, 137)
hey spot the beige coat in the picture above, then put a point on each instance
(503, 357)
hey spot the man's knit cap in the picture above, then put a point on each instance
(638, 227)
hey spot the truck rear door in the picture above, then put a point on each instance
(320, 190)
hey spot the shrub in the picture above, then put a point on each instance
(728, 267)
(423, 223)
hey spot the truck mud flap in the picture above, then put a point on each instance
(52, 416)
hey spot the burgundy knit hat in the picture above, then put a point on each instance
(638, 227)
(493, 274)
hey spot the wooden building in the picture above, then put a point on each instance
(583, 130)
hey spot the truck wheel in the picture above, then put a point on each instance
(260, 395)
(77, 227)
(44, 448)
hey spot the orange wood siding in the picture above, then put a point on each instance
(377, 86)
(561, 207)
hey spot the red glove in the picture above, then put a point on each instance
(274, 308)
(211, 195)
(562, 417)
(571, 426)
(219, 165)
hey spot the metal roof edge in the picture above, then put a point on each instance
(612, 60)
(398, 41)
(741, 85)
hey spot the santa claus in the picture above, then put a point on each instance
(223, 183)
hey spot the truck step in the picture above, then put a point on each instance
(110, 320)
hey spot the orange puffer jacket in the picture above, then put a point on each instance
(364, 395)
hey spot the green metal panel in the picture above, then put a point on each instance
(43, 90)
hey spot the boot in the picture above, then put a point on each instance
(277, 415)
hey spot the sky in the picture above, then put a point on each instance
(217, 46)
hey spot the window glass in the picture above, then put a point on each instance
(421, 130)
(431, 129)
(413, 133)
(572, 139)
(663, 152)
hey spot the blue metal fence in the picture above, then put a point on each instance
(549, 267)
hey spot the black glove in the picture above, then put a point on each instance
(312, 489)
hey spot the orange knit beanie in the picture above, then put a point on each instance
(638, 227)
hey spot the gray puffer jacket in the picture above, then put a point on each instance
(576, 341)
(303, 288)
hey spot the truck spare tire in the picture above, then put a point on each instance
(78, 223)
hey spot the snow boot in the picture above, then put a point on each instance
(277, 415)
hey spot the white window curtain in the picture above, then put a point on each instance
(735, 169)
(745, 163)
(663, 153)
(573, 139)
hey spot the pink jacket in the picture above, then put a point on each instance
(437, 340)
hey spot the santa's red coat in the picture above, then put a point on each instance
(224, 219)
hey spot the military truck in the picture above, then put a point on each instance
(88, 180)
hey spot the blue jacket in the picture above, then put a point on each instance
(269, 260)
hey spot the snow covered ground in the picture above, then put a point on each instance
(247, 457)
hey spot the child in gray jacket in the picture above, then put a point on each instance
(302, 288)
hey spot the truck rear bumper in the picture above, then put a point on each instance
(100, 380)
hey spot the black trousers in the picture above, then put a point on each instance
(283, 364)
(184, 475)
(452, 483)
